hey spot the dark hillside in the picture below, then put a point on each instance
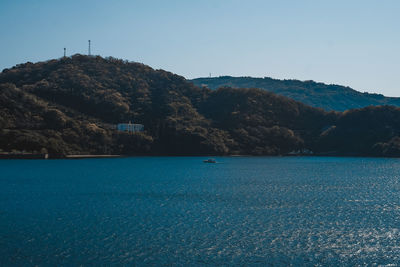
(264, 123)
(72, 105)
(367, 131)
(109, 91)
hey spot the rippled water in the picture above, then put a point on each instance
(311, 211)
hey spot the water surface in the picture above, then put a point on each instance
(162, 211)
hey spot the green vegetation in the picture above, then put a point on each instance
(320, 95)
(71, 106)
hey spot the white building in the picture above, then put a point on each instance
(130, 127)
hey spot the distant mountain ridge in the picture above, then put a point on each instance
(315, 94)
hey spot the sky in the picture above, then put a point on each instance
(348, 42)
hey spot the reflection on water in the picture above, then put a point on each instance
(161, 211)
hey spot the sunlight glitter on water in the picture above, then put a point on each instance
(162, 211)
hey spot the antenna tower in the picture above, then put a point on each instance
(65, 52)
(89, 47)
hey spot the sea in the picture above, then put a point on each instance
(179, 211)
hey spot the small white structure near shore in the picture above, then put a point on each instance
(130, 127)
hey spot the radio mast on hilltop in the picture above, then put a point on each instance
(89, 47)
(65, 52)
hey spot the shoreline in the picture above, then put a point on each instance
(50, 156)
(100, 156)
(91, 156)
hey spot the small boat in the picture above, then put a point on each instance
(209, 161)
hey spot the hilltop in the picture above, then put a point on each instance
(71, 106)
(320, 95)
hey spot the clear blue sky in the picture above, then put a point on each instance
(348, 42)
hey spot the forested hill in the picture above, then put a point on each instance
(328, 97)
(71, 106)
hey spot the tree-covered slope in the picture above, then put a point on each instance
(71, 106)
(328, 97)
(93, 91)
